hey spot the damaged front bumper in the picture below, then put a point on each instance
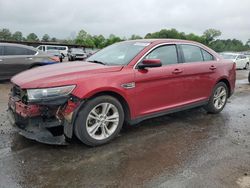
(43, 123)
(37, 131)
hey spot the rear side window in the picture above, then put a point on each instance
(167, 54)
(191, 53)
(30, 52)
(207, 56)
(14, 50)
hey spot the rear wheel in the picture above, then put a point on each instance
(99, 121)
(247, 66)
(218, 99)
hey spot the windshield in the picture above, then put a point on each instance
(229, 56)
(118, 54)
(79, 50)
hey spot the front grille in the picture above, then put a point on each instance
(19, 93)
(79, 55)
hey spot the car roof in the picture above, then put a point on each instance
(163, 41)
(17, 45)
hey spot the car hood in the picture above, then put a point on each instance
(60, 74)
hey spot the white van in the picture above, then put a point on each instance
(63, 49)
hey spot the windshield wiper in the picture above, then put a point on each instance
(96, 61)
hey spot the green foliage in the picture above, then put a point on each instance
(5, 34)
(99, 41)
(210, 35)
(17, 36)
(53, 39)
(135, 37)
(83, 38)
(46, 38)
(32, 37)
(233, 45)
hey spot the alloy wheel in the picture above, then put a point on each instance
(102, 121)
(220, 96)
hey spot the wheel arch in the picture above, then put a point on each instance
(225, 81)
(120, 98)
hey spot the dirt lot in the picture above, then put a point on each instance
(186, 149)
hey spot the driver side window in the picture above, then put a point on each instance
(167, 54)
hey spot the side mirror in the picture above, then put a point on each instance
(150, 63)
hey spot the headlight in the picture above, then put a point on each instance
(45, 93)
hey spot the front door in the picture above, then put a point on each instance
(160, 88)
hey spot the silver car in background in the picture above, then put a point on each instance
(15, 58)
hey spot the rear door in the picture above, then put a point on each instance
(16, 59)
(160, 88)
(198, 68)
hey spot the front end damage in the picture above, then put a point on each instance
(46, 121)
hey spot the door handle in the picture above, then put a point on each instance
(29, 58)
(177, 71)
(212, 67)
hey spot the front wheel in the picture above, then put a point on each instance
(99, 121)
(218, 98)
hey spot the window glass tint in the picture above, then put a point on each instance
(51, 48)
(40, 48)
(191, 53)
(119, 53)
(207, 56)
(1, 50)
(242, 57)
(30, 52)
(14, 50)
(167, 54)
(56, 48)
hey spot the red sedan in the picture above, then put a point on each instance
(124, 83)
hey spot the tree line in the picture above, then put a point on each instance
(209, 38)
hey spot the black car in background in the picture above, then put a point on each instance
(76, 54)
(15, 58)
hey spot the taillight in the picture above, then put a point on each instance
(56, 59)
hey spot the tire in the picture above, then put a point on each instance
(249, 77)
(94, 127)
(247, 66)
(218, 99)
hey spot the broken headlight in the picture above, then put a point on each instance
(47, 93)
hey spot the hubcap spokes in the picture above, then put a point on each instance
(102, 121)
(220, 97)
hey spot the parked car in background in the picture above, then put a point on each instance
(63, 49)
(57, 54)
(76, 54)
(15, 58)
(247, 53)
(242, 61)
(127, 82)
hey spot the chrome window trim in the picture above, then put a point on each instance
(169, 43)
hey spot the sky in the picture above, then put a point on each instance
(64, 18)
